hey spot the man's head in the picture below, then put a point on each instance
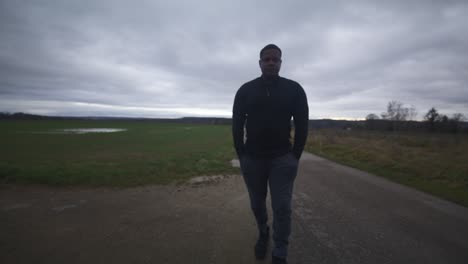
(270, 60)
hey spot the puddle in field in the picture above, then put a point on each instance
(85, 130)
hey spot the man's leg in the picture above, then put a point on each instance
(255, 173)
(283, 171)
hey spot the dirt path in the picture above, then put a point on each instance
(340, 215)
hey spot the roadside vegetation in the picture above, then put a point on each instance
(33, 151)
(432, 162)
(36, 152)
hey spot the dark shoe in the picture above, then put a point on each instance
(276, 260)
(262, 244)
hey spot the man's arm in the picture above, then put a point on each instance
(238, 121)
(301, 123)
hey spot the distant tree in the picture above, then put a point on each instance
(459, 117)
(431, 117)
(371, 121)
(372, 117)
(442, 118)
(412, 113)
(454, 123)
(396, 112)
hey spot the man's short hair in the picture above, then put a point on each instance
(270, 46)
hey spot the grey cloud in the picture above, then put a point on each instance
(351, 57)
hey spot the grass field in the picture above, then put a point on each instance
(154, 153)
(146, 153)
(434, 163)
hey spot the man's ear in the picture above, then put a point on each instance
(260, 63)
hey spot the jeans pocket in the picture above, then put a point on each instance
(291, 154)
(242, 161)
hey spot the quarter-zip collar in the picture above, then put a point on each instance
(269, 82)
(270, 79)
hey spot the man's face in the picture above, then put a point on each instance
(270, 62)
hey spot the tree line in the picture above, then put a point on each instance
(399, 117)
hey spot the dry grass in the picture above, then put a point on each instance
(435, 163)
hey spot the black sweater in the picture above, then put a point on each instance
(266, 107)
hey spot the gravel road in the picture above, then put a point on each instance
(340, 215)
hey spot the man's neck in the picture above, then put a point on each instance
(270, 78)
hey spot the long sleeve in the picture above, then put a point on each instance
(238, 121)
(301, 123)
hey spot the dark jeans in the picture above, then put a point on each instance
(279, 173)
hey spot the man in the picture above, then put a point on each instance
(265, 106)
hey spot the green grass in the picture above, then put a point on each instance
(434, 163)
(147, 153)
(154, 153)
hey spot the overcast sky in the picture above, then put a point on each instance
(188, 58)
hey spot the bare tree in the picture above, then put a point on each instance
(442, 118)
(458, 117)
(412, 113)
(396, 111)
(431, 117)
(454, 123)
(371, 121)
(372, 117)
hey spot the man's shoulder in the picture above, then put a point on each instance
(253, 82)
(293, 86)
(258, 80)
(289, 82)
